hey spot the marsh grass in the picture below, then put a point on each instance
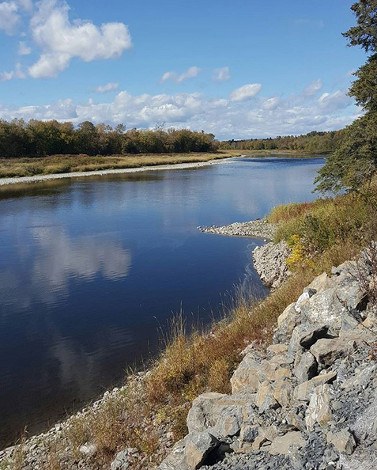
(15, 167)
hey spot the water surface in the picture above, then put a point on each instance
(92, 268)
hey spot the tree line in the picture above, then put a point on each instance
(41, 138)
(313, 142)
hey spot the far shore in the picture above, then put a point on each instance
(116, 171)
(33, 170)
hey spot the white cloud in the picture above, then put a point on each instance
(222, 74)
(313, 88)
(271, 103)
(10, 14)
(16, 73)
(334, 101)
(23, 48)
(108, 87)
(61, 40)
(9, 17)
(261, 117)
(191, 72)
(246, 92)
(168, 76)
(26, 5)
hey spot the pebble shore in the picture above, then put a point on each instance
(258, 228)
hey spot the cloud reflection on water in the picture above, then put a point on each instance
(62, 258)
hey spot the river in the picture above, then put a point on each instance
(93, 269)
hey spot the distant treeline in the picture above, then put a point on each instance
(314, 142)
(39, 138)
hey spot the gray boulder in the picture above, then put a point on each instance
(121, 461)
(306, 367)
(246, 376)
(326, 351)
(205, 411)
(319, 409)
(343, 441)
(197, 448)
(287, 444)
(304, 391)
(287, 322)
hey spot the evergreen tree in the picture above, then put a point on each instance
(355, 160)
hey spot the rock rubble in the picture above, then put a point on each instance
(308, 402)
(270, 262)
(258, 228)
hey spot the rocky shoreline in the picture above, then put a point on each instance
(309, 401)
(269, 259)
(259, 228)
(270, 262)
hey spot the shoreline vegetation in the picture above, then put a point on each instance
(148, 415)
(69, 167)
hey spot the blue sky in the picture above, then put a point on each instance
(239, 69)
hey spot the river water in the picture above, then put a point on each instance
(92, 269)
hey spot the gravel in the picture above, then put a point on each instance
(258, 228)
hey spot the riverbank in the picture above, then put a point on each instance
(259, 228)
(306, 401)
(29, 170)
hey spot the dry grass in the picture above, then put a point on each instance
(190, 364)
(14, 167)
(120, 420)
(199, 362)
(287, 212)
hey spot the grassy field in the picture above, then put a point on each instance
(13, 167)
